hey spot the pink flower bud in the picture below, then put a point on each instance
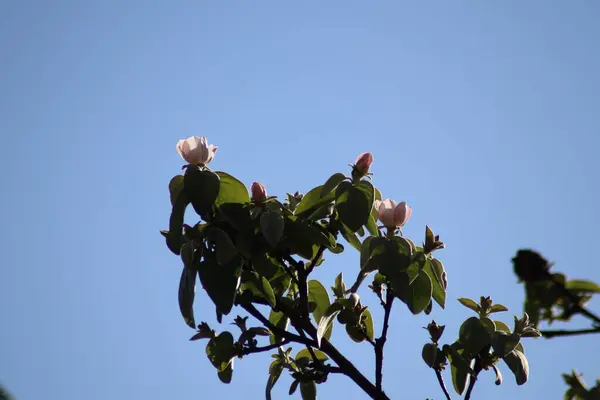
(392, 214)
(196, 150)
(363, 162)
(259, 192)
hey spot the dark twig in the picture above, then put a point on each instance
(252, 350)
(380, 342)
(440, 378)
(477, 369)
(280, 332)
(550, 334)
(315, 259)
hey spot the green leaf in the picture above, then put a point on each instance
(175, 188)
(231, 190)
(238, 215)
(275, 370)
(429, 354)
(497, 308)
(435, 269)
(318, 295)
(488, 324)
(272, 226)
(372, 226)
(220, 350)
(308, 390)
(264, 265)
(187, 291)
(327, 320)
(226, 375)
(469, 304)
(279, 320)
(582, 286)
(354, 203)
(221, 282)
(417, 295)
(258, 285)
(293, 387)
(460, 378)
(225, 248)
(473, 336)
(332, 183)
(175, 234)
(304, 353)
(311, 201)
(501, 326)
(517, 362)
(350, 237)
(503, 343)
(367, 320)
(202, 187)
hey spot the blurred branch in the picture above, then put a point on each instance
(550, 333)
(440, 378)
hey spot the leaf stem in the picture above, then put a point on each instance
(252, 350)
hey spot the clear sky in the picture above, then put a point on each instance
(483, 115)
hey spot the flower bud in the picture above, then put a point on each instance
(392, 214)
(259, 192)
(196, 150)
(363, 162)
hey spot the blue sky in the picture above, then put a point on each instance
(482, 115)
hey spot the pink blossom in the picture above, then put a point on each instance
(196, 150)
(392, 214)
(259, 192)
(363, 162)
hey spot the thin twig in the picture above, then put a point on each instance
(380, 342)
(477, 369)
(440, 378)
(252, 350)
(550, 334)
(313, 262)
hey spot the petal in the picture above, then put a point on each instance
(179, 147)
(402, 214)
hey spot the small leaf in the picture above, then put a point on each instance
(260, 331)
(293, 387)
(175, 187)
(231, 190)
(268, 291)
(517, 362)
(221, 282)
(318, 294)
(202, 187)
(220, 350)
(275, 370)
(308, 390)
(469, 304)
(304, 353)
(435, 270)
(225, 248)
(429, 354)
(226, 375)
(501, 326)
(367, 320)
(497, 308)
(312, 201)
(417, 295)
(339, 288)
(327, 320)
(187, 291)
(582, 286)
(332, 183)
(354, 203)
(272, 226)
(473, 336)
(258, 285)
(279, 320)
(372, 226)
(350, 237)
(460, 378)
(175, 234)
(503, 343)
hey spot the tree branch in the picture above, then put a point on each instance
(252, 350)
(575, 299)
(380, 342)
(440, 379)
(280, 332)
(477, 369)
(550, 333)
